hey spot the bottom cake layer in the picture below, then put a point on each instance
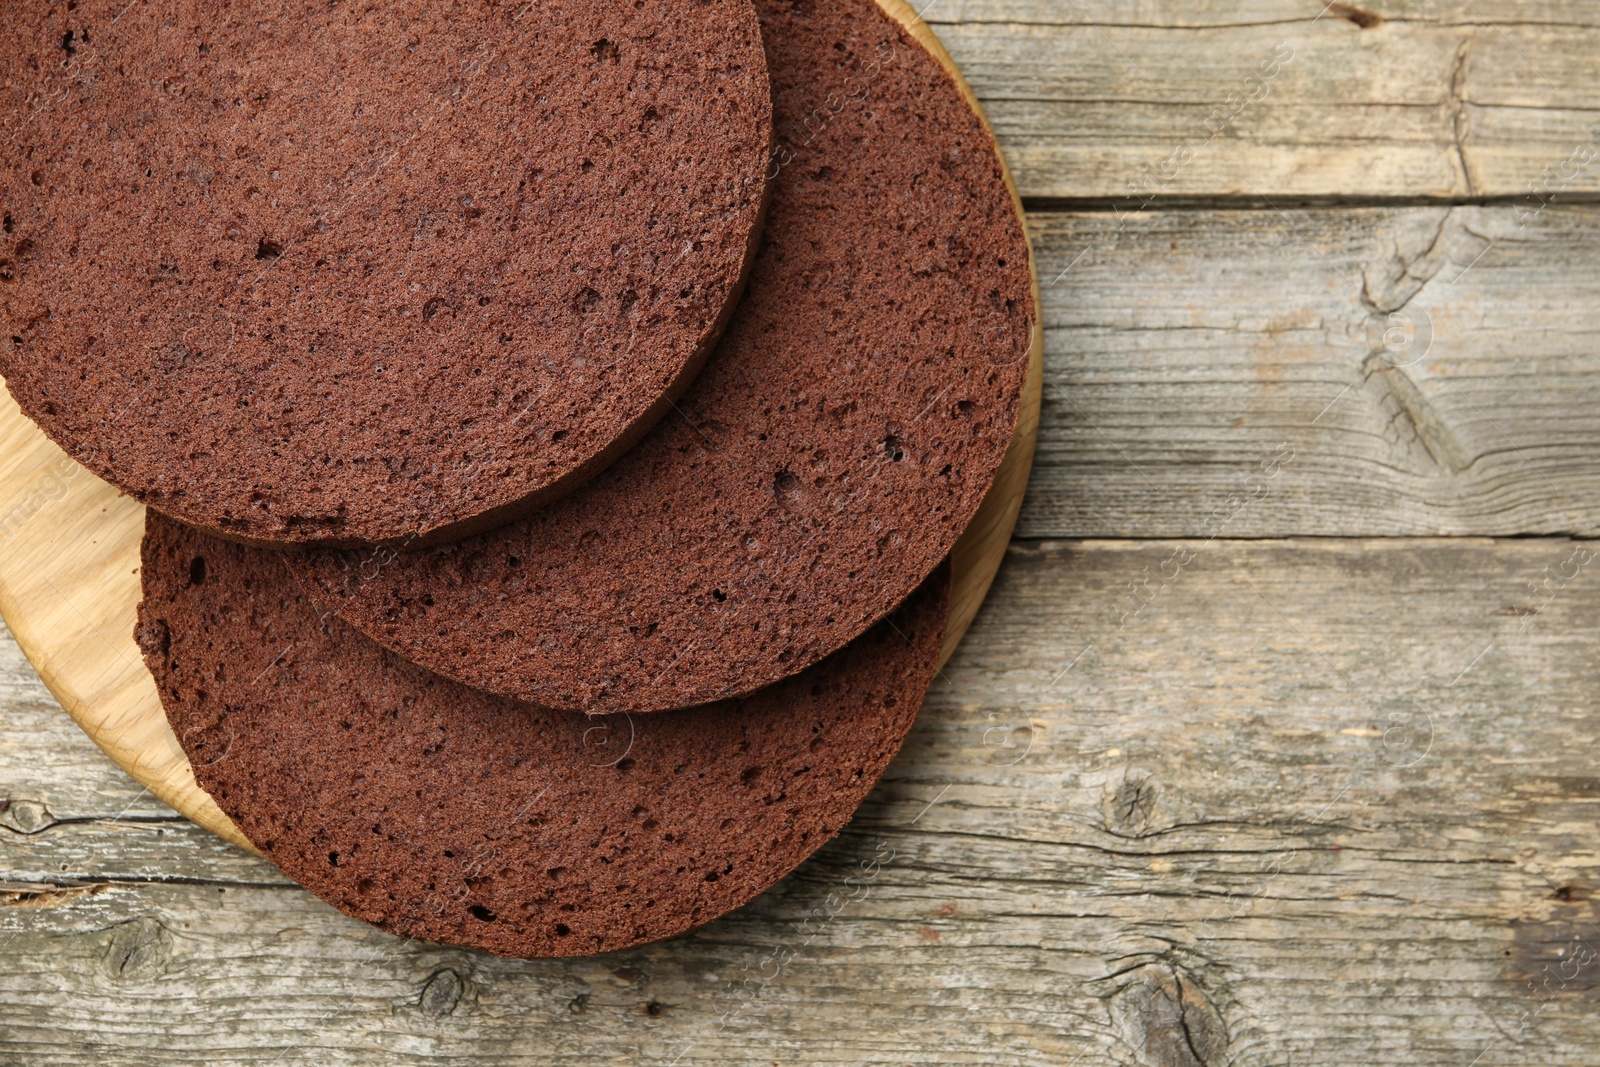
(439, 812)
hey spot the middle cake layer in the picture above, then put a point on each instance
(839, 441)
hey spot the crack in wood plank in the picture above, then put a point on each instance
(1460, 123)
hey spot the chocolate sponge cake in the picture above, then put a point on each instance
(838, 442)
(309, 273)
(443, 813)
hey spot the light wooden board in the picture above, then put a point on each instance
(69, 591)
(1224, 820)
(1103, 99)
(69, 572)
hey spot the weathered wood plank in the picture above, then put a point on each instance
(1250, 813)
(1371, 372)
(1286, 97)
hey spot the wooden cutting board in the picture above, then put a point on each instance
(69, 571)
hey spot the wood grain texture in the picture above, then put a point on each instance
(1420, 370)
(1265, 819)
(1286, 98)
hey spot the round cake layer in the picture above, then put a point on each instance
(836, 445)
(342, 274)
(438, 812)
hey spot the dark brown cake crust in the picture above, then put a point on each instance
(837, 444)
(311, 273)
(438, 812)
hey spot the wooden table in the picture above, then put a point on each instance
(1275, 742)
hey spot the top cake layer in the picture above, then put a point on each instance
(302, 273)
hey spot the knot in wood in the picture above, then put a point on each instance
(1129, 803)
(443, 993)
(137, 948)
(25, 816)
(1166, 1020)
